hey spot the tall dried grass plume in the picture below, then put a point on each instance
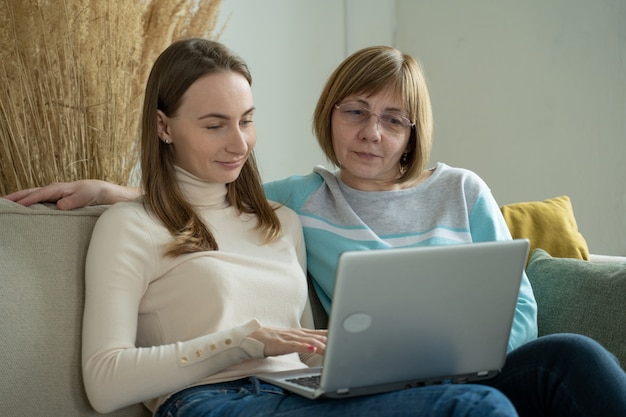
(72, 74)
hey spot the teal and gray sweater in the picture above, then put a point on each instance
(451, 206)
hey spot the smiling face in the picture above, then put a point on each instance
(212, 133)
(368, 154)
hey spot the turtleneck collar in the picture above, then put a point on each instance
(200, 192)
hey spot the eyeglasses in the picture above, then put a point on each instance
(357, 115)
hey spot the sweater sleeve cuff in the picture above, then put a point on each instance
(221, 343)
(252, 347)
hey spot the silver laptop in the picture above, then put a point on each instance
(413, 317)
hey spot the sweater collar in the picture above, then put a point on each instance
(200, 192)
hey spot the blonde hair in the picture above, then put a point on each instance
(369, 71)
(174, 71)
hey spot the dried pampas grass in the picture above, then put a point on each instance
(72, 74)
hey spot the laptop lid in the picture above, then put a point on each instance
(417, 316)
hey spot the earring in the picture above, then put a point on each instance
(403, 163)
(167, 141)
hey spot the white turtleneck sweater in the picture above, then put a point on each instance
(154, 325)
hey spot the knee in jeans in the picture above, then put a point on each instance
(575, 347)
(494, 402)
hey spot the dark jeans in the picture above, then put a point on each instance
(563, 375)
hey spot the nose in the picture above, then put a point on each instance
(371, 129)
(238, 142)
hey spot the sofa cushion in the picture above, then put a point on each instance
(577, 296)
(42, 252)
(549, 225)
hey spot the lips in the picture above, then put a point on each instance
(366, 155)
(232, 164)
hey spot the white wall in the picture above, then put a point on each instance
(291, 47)
(531, 95)
(290, 56)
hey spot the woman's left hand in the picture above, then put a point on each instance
(283, 341)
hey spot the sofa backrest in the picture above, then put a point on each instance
(42, 255)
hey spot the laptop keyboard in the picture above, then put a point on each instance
(307, 381)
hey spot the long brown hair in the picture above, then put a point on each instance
(369, 71)
(174, 71)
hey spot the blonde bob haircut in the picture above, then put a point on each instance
(369, 71)
(174, 71)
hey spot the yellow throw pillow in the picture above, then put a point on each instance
(549, 225)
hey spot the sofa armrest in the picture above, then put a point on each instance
(607, 259)
(578, 296)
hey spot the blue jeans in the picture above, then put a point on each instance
(250, 397)
(563, 375)
(557, 375)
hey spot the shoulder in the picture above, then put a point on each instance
(294, 183)
(462, 189)
(461, 177)
(291, 225)
(124, 211)
(293, 191)
(477, 197)
(287, 216)
(124, 217)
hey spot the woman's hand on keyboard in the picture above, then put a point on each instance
(284, 341)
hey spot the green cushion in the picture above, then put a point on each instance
(577, 296)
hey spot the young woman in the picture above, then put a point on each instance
(199, 285)
(373, 121)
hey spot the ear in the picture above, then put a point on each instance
(163, 127)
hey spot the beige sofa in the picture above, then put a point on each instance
(42, 254)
